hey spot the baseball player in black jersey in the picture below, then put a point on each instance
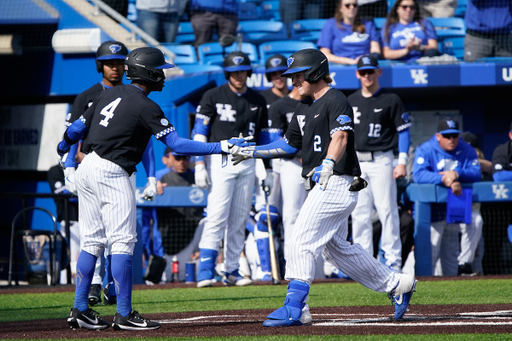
(502, 160)
(322, 127)
(379, 124)
(110, 63)
(119, 124)
(274, 67)
(228, 110)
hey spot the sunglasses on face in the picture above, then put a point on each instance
(182, 157)
(350, 5)
(366, 72)
(411, 7)
(450, 136)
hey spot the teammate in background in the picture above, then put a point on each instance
(322, 126)
(225, 111)
(443, 160)
(502, 160)
(485, 164)
(110, 63)
(379, 124)
(119, 125)
(274, 67)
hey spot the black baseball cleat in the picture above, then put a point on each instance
(95, 295)
(88, 319)
(133, 322)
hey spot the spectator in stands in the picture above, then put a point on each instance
(274, 67)
(486, 165)
(406, 36)
(444, 161)
(438, 8)
(502, 160)
(207, 16)
(120, 6)
(346, 37)
(160, 19)
(370, 9)
(291, 10)
(489, 23)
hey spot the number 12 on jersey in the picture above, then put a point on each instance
(374, 130)
(108, 111)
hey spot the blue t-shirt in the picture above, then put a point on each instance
(400, 35)
(343, 42)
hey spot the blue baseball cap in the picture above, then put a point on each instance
(448, 126)
(367, 62)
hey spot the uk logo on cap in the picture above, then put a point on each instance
(114, 48)
(275, 62)
(366, 60)
(451, 124)
(237, 60)
(289, 61)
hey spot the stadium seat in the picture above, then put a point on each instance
(460, 11)
(453, 46)
(307, 29)
(270, 10)
(448, 27)
(248, 11)
(286, 48)
(260, 31)
(212, 54)
(185, 33)
(185, 53)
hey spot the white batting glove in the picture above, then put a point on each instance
(268, 183)
(239, 154)
(69, 179)
(228, 146)
(150, 191)
(322, 173)
(201, 176)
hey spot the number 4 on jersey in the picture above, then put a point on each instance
(108, 111)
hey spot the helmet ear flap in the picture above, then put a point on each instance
(226, 75)
(249, 73)
(99, 66)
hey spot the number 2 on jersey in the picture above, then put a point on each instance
(108, 111)
(374, 130)
(317, 145)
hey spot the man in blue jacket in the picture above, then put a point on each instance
(489, 23)
(447, 161)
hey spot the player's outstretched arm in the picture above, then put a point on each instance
(277, 149)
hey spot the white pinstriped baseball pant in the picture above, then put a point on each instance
(381, 194)
(107, 210)
(322, 226)
(229, 204)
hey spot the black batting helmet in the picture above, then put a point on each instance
(275, 63)
(110, 50)
(312, 61)
(147, 64)
(237, 61)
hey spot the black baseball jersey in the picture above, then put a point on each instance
(269, 97)
(502, 158)
(121, 121)
(281, 113)
(377, 119)
(230, 114)
(312, 126)
(55, 178)
(82, 102)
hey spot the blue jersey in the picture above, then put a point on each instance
(400, 35)
(430, 159)
(343, 42)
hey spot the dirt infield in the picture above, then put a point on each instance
(420, 319)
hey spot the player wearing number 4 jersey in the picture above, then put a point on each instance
(379, 124)
(120, 123)
(322, 127)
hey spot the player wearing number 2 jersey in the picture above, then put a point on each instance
(322, 127)
(119, 123)
(379, 124)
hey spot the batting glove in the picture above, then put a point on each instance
(322, 173)
(268, 182)
(60, 156)
(228, 146)
(69, 179)
(150, 190)
(201, 176)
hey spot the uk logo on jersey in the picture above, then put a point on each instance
(226, 112)
(114, 48)
(343, 119)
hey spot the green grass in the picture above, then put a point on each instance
(19, 307)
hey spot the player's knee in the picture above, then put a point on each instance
(123, 248)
